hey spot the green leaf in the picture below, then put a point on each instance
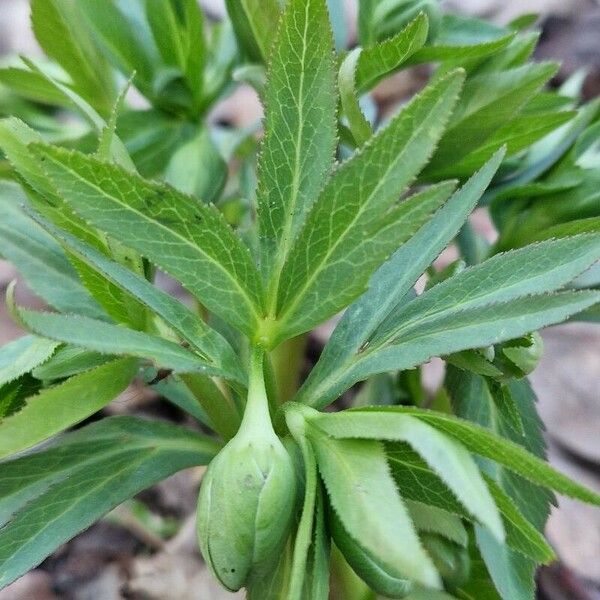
(175, 314)
(474, 361)
(419, 483)
(32, 86)
(53, 409)
(151, 138)
(506, 405)
(471, 398)
(40, 260)
(472, 328)
(512, 575)
(431, 519)
(125, 37)
(168, 227)
(451, 462)
(521, 535)
(197, 168)
(221, 410)
(23, 355)
(517, 134)
(14, 139)
(389, 286)
(68, 361)
(115, 339)
(178, 31)
(304, 535)
(488, 102)
(300, 130)
(383, 59)
(54, 494)
(254, 22)
(176, 392)
(504, 452)
(572, 228)
(333, 258)
(367, 502)
(59, 28)
(454, 45)
(535, 269)
(14, 394)
(357, 122)
(316, 581)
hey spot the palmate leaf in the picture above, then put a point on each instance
(32, 86)
(449, 460)
(517, 134)
(365, 499)
(169, 228)
(178, 30)
(471, 398)
(54, 409)
(513, 576)
(23, 355)
(418, 482)
(356, 223)
(500, 450)
(14, 138)
(472, 328)
(390, 284)
(176, 315)
(300, 130)
(471, 318)
(49, 496)
(304, 535)
(535, 269)
(316, 580)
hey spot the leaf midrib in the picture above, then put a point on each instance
(299, 295)
(160, 225)
(284, 246)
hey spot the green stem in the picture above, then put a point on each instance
(220, 409)
(257, 418)
(288, 360)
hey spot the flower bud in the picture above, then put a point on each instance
(376, 574)
(247, 497)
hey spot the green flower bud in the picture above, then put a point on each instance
(520, 357)
(377, 575)
(247, 497)
(451, 560)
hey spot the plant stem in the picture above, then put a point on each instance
(221, 410)
(257, 419)
(288, 360)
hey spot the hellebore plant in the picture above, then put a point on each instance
(389, 491)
